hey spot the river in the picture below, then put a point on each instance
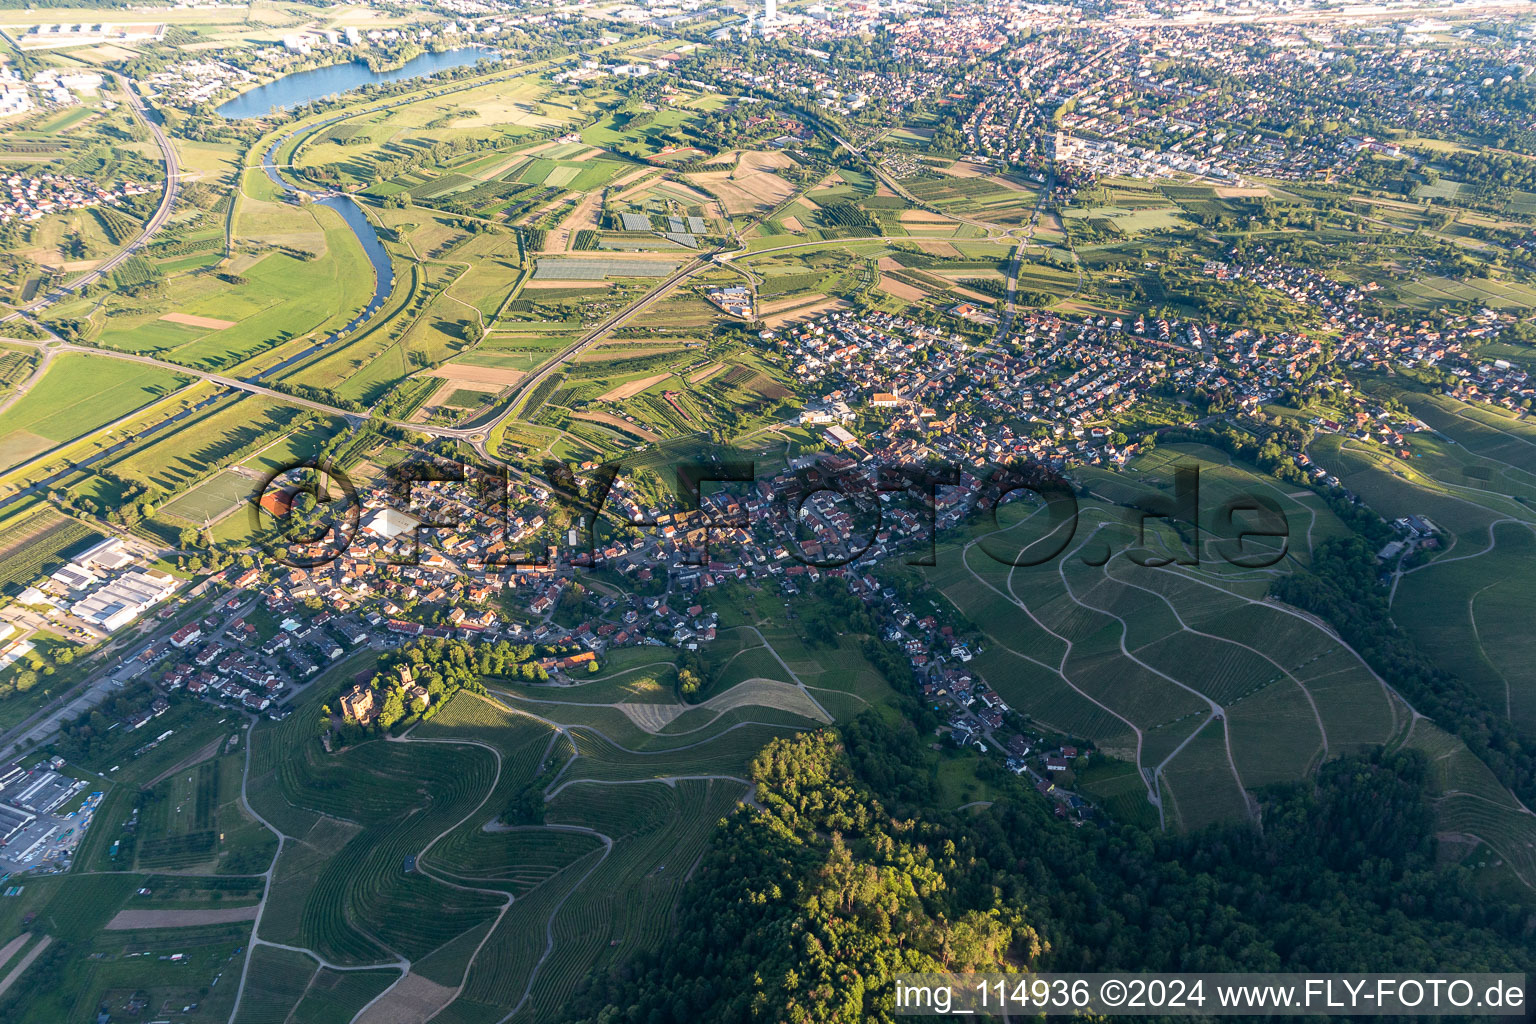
(291, 90)
(362, 227)
(383, 282)
(322, 83)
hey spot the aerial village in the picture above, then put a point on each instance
(499, 569)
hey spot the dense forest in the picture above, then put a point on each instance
(804, 909)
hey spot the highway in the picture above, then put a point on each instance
(234, 383)
(151, 226)
(476, 436)
(44, 722)
(51, 349)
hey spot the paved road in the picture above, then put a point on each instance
(475, 435)
(1021, 236)
(896, 186)
(153, 225)
(43, 723)
(236, 383)
(479, 435)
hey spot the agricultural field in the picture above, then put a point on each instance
(982, 197)
(501, 115)
(1106, 653)
(16, 365)
(108, 925)
(751, 184)
(69, 402)
(36, 542)
(653, 391)
(225, 318)
(513, 776)
(611, 847)
(1473, 478)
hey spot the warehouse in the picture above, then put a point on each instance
(12, 821)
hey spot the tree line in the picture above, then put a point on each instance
(805, 909)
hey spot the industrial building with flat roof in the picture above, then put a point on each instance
(41, 791)
(124, 599)
(12, 821)
(109, 554)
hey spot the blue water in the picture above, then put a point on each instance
(292, 90)
(362, 227)
(383, 283)
(322, 83)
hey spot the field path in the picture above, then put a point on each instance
(1216, 710)
(10, 948)
(412, 999)
(195, 758)
(1492, 543)
(1477, 636)
(607, 841)
(743, 694)
(791, 672)
(1387, 689)
(425, 997)
(402, 963)
(26, 961)
(380, 1016)
(670, 780)
(1413, 477)
(1316, 714)
(1152, 796)
(549, 924)
(583, 216)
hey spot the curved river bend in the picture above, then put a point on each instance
(362, 227)
(324, 83)
(298, 88)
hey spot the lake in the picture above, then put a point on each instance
(322, 83)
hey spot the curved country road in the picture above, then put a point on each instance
(151, 227)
